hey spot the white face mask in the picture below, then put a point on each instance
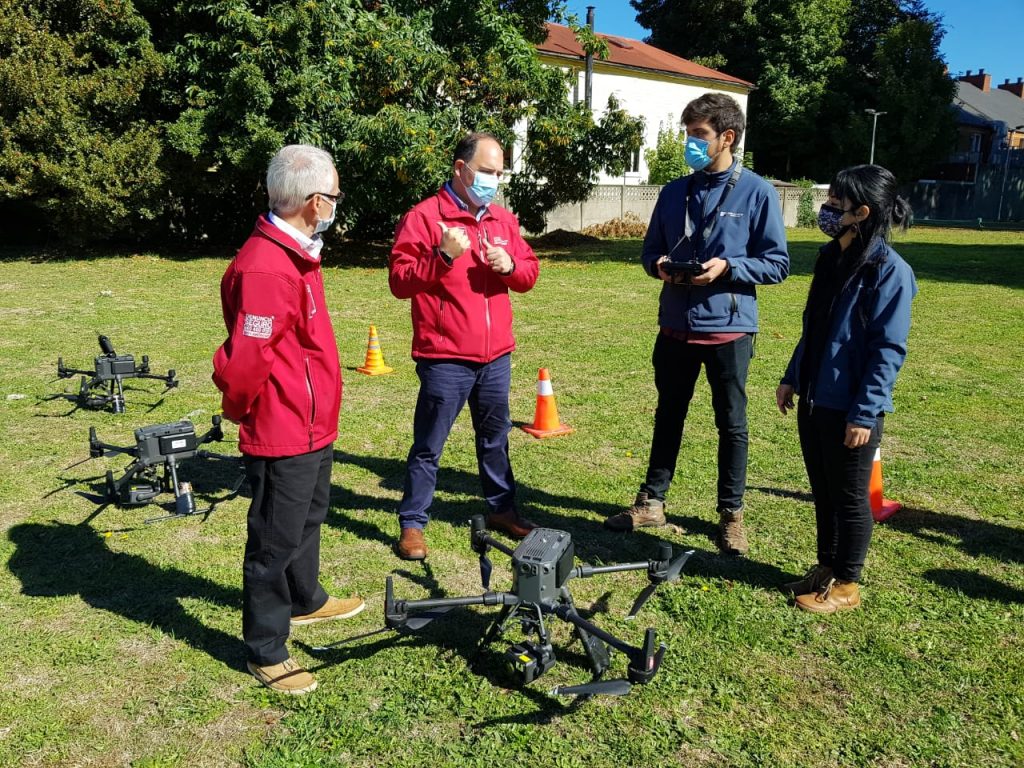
(322, 225)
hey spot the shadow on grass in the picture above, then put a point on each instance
(61, 559)
(974, 584)
(973, 537)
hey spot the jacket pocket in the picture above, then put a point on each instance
(311, 393)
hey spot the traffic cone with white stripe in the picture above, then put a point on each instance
(374, 365)
(545, 419)
(881, 508)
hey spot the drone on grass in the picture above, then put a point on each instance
(103, 386)
(158, 451)
(542, 566)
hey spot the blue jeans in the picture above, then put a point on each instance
(445, 387)
(677, 365)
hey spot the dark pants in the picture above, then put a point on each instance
(676, 367)
(281, 569)
(840, 480)
(445, 387)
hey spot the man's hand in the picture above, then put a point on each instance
(454, 241)
(784, 398)
(856, 435)
(497, 257)
(713, 269)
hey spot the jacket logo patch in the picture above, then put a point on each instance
(258, 326)
(312, 303)
(731, 214)
(500, 241)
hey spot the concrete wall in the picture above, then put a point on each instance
(613, 201)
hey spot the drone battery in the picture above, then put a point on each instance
(109, 367)
(541, 564)
(159, 441)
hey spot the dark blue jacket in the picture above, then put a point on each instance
(748, 233)
(867, 340)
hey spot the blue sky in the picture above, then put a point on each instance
(980, 34)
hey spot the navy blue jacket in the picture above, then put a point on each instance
(748, 234)
(867, 340)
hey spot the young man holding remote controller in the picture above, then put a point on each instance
(714, 236)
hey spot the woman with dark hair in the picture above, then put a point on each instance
(854, 341)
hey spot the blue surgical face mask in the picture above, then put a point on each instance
(322, 225)
(483, 189)
(696, 153)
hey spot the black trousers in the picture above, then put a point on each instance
(840, 480)
(677, 365)
(281, 569)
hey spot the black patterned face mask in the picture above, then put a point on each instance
(829, 220)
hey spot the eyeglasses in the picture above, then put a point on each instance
(333, 198)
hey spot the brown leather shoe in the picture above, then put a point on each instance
(411, 545)
(816, 578)
(509, 521)
(834, 596)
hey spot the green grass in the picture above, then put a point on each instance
(120, 641)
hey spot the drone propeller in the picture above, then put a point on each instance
(421, 620)
(675, 567)
(485, 571)
(641, 599)
(597, 688)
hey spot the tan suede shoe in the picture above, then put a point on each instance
(646, 512)
(834, 596)
(334, 608)
(286, 677)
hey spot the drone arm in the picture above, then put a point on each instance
(488, 598)
(586, 571)
(569, 614)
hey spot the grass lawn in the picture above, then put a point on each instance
(120, 641)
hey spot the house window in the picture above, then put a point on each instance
(975, 142)
(633, 162)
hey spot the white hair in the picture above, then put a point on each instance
(296, 172)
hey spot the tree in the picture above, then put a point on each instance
(76, 157)
(667, 161)
(388, 88)
(818, 64)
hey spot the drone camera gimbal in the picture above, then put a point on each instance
(103, 386)
(542, 566)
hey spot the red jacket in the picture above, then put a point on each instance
(278, 370)
(460, 311)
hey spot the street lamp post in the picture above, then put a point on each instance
(874, 124)
(1006, 169)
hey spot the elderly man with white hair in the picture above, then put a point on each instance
(280, 378)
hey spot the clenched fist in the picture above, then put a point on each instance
(454, 241)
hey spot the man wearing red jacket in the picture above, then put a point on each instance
(281, 382)
(456, 256)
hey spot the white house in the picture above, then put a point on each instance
(647, 81)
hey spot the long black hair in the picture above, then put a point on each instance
(875, 187)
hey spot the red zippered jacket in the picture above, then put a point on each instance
(278, 370)
(460, 311)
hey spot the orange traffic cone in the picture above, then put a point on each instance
(545, 419)
(881, 508)
(374, 365)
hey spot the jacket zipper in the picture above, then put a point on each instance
(440, 322)
(487, 300)
(312, 401)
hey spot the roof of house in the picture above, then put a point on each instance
(633, 54)
(977, 107)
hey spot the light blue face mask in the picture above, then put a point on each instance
(696, 153)
(483, 189)
(322, 225)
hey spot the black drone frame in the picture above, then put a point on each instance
(157, 453)
(542, 566)
(103, 387)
